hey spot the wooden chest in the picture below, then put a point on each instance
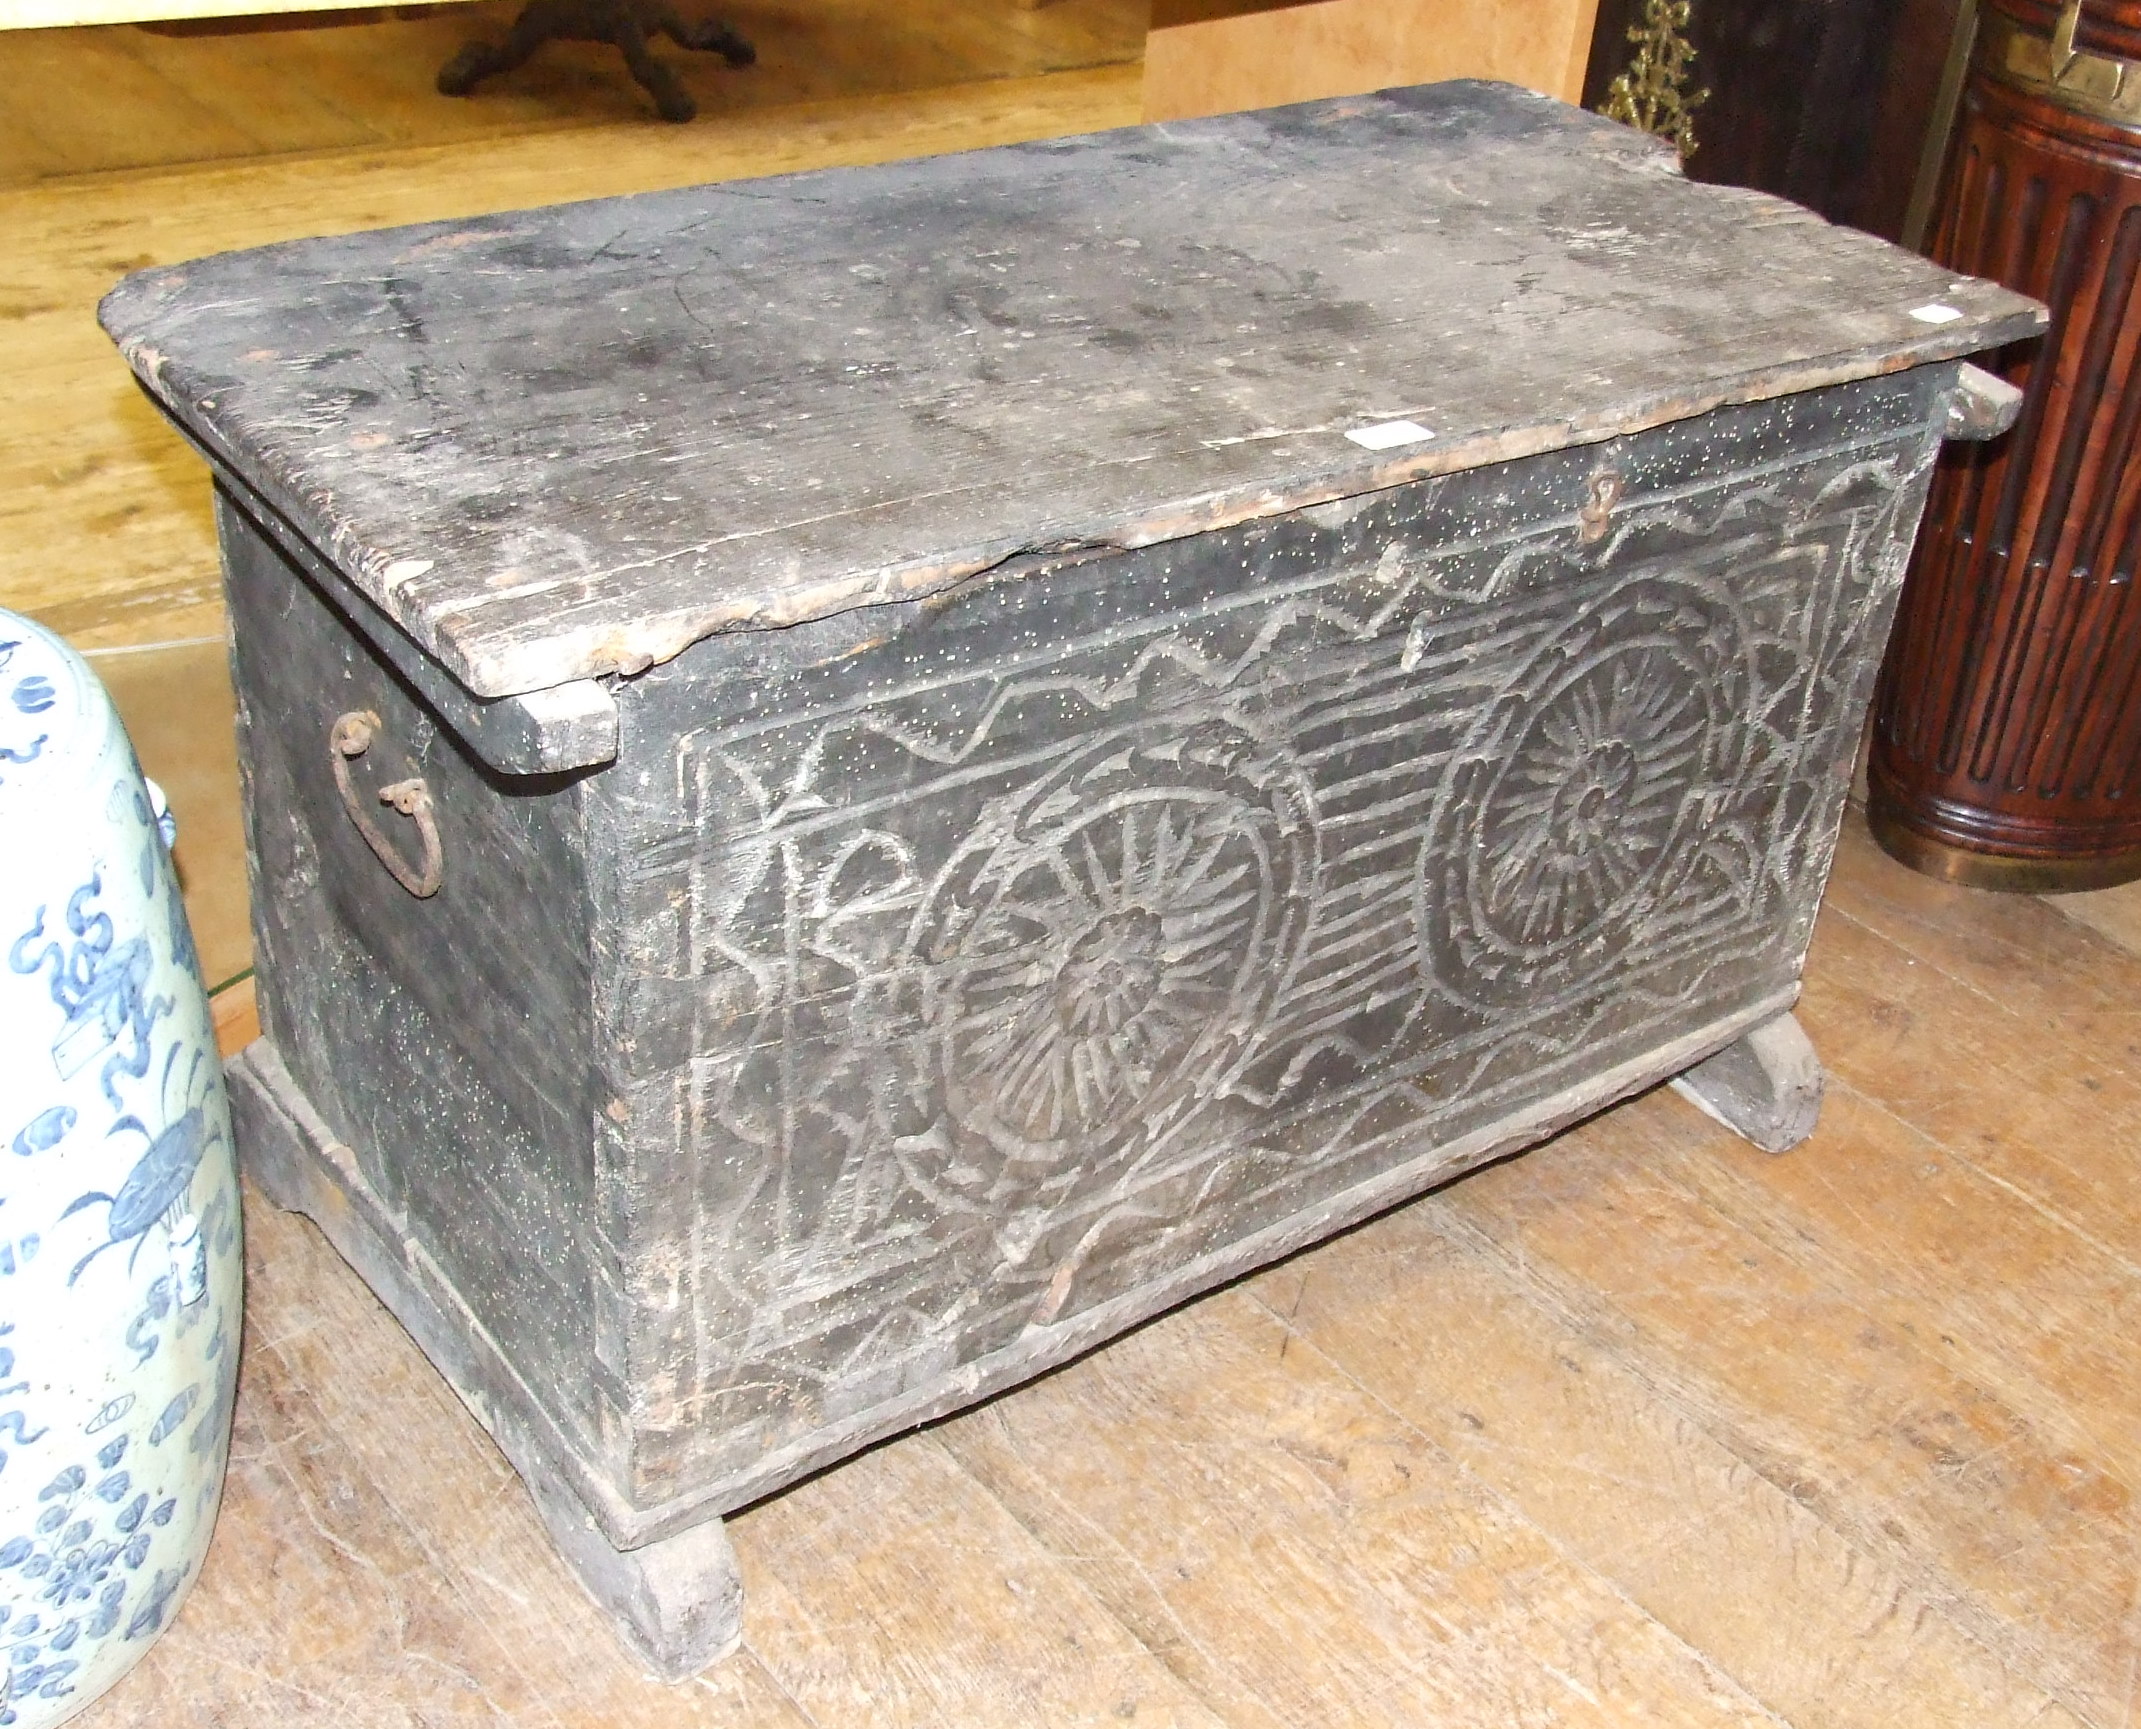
(858, 781)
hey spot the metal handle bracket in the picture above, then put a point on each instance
(1982, 407)
(1600, 496)
(349, 738)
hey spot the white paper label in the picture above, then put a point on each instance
(1389, 434)
(1935, 314)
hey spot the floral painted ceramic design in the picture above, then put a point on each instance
(119, 1250)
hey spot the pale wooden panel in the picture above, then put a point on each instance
(337, 82)
(180, 713)
(85, 92)
(1343, 47)
(269, 82)
(55, 14)
(70, 240)
(236, 1011)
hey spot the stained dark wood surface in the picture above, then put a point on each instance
(1824, 102)
(2009, 718)
(573, 441)
(1842, 1439)
(682, 1124)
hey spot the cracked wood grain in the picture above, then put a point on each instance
(565, 443)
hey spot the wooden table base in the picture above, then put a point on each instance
(630, 24)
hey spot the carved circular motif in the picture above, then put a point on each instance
(1110, 936)
(1575, 805)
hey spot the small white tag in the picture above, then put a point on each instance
(1935, 313)
(1389, 434)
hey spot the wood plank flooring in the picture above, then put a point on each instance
(1642, 1427)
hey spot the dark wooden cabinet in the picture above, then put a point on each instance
(1825, 102)
(2008, 735)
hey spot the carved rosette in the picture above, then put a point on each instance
(1105, 944)
(1018, 988)
(1586, 795)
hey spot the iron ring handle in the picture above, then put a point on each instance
(350, 737)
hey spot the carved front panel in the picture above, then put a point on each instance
(1104, 917)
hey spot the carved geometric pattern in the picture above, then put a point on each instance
(1025, 978)
(1562, 833)
(1106, 936)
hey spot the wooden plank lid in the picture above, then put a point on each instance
(560, 443)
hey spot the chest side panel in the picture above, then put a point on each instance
(445, 1039)
(1028, 946)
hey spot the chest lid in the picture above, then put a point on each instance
(558, 443)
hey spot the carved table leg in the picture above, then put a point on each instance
(1765, 1085)
(677, 1602)
(628, 24)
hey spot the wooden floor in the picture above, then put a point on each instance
(1641, 1428)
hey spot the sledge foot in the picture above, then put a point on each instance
(1765, 1086)
(676, 1602)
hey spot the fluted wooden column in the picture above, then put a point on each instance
(2007, 747)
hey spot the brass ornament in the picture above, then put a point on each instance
(1652, 95)
(2098, 85)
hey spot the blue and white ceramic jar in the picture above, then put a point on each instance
(119, 1227)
